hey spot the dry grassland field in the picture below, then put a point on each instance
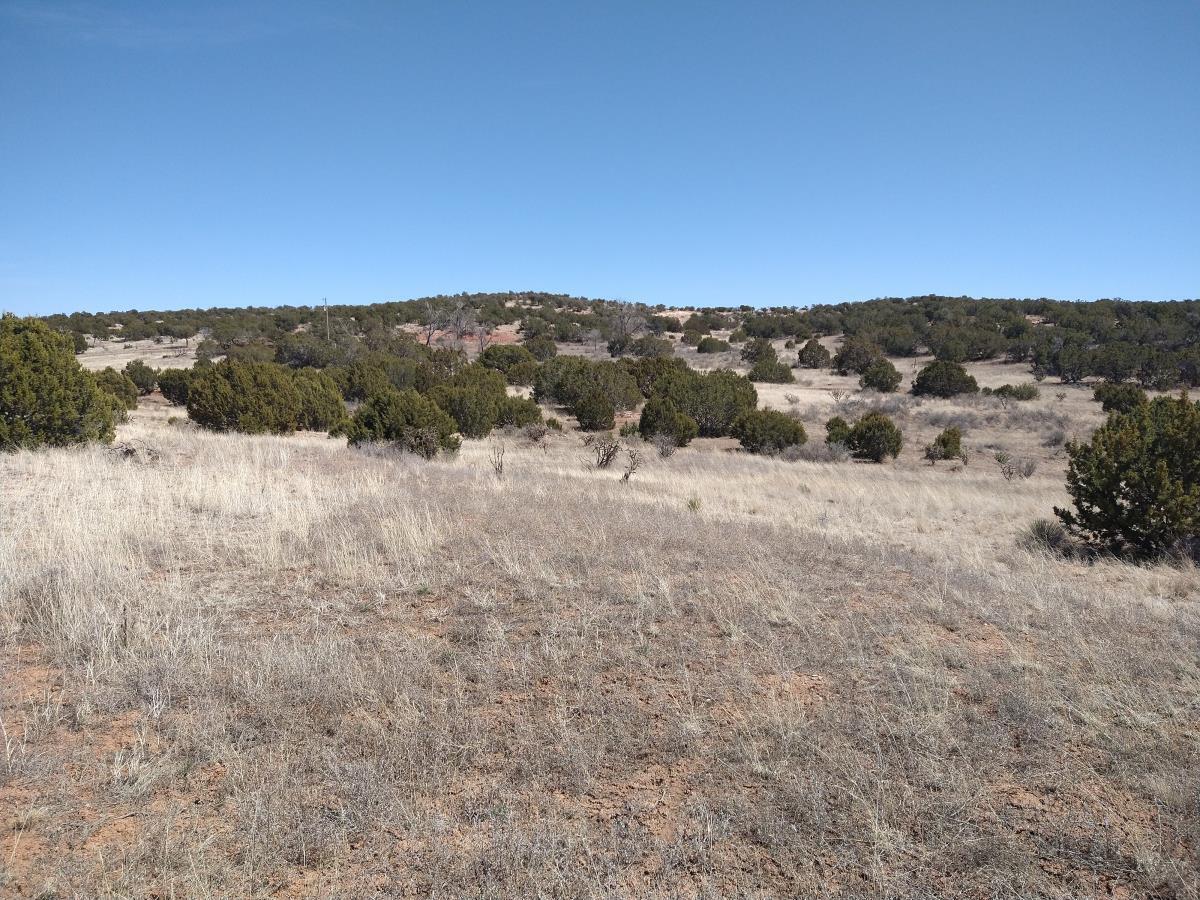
(283, 667)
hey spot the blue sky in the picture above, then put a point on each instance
(163, 155)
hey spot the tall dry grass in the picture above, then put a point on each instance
(262, 665)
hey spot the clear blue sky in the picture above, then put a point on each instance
(158, 155)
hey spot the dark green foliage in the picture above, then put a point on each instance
(517, 412)
(693, 339)
(713, 399)
(252, 351)
(649, 346)
(143, 377)
(251, 397)
(710, 344)
(757, 350)
(565, 380)
(523, 374)
(944, 379)
(1118, 397)
(174, 385)
(855, 355)
(881, 376)
(768, 431)
(505, 357)
(1136, 484)
(874, 436)
(406, 419)
(542, 347)
(46, 398)
(554, 424)
(119, 386)
(947, 445)
(80, 342)
(837, 431)
(770, 370)
(814, 355)
(649, 371)
(1021, 392)
(595, 411)
(305, 349)
(475, 412)
(660, 416)
(321, 406)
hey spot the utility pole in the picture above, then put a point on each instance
(328, 336)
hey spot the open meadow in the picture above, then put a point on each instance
(242, 665)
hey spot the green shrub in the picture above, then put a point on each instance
(768, 431)
(523, 374)
(947, 445)
(504, 357)
(837, 431)
(1021, 392)
(144, 377)
(873, 437)
(565, 380)
(693, 339)
(649, 346)
(757, 350)
(855, 355)
(1136, 484)
(595, 411)
(46, 398)
(542, 347)
(713, 399)
(119, 386)
(475, 411)
(1114, 397)
(405, 419)
(251, 397)
(518, 412)
(628, 430)
(881, 376)
(660, 416)
(771, 371)
(813, 355)
(710, 344)
(554, 424)
(174, 384)
(321, 405)
(943, 378)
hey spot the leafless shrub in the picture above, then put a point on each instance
(665, 445)
(633, 462)
(792, 399)
(135, 451)
(496, 458)
(1011, 467)
(604, 448)
(1055, 437)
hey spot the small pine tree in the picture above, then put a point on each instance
(943, 378)
(1114, 397)
(881, 376)
(1136, 484)
(875, 437)
(119, 386)
(814, 355)
(250, 397)
(768, 431)
(141, 375)
(595, 411)
(321, 404)
(661, 417)
(46, 398)
(837, 431)
(947, 445)
(771, 371)
(405, 419)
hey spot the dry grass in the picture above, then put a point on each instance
(263, 666)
